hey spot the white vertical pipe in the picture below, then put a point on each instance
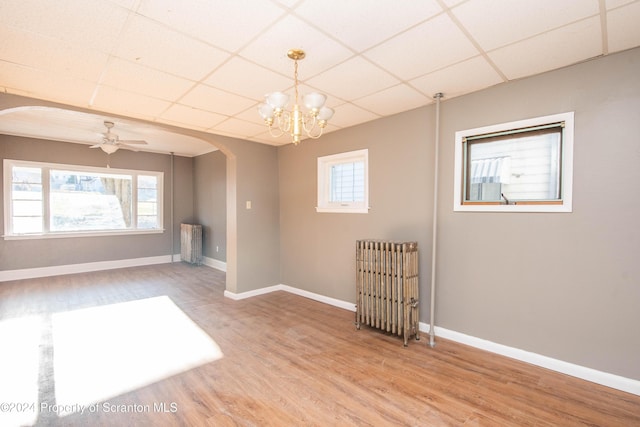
(171, 202)
(432, 312)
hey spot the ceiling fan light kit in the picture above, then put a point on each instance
(111, 142)
(312, 121)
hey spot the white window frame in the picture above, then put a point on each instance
(8, 165)
(565, 204)
(324, 186)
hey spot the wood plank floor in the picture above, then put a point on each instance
(291, 361)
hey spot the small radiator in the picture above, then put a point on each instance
(191, 243)
(387, 287)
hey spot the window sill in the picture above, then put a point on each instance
(80, 234)
(517, 207)
(342, 210)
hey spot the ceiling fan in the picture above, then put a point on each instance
(111, 141)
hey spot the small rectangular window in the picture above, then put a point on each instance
(520, 166)
(347, 182)
(343, 182)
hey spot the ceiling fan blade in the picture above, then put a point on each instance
(96, 146)
(127, 147)
(132, 142)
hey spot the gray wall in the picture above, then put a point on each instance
(562, 285)
(318, 249)
(210, 186)
(20, 254)
(254, 168)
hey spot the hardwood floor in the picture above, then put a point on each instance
(286, 360)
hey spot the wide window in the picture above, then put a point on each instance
(343, 182)
(520, 166)
(52, 200)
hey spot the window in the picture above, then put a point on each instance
(52, 200)
(148, 202)
(343, 182)
(523, 166)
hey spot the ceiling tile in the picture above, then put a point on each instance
(348, 115)
(58, 87)
(128, 103)
(353, 79)
(623, 27)
(421, 49)
(553, 49)
(240, 128)
(265, 138)
(612, 4)
(270, 49)
(247, 79)
(217, 22)
(128, 4)
(251, 115)
(393, 100)
(145, 81)
(92, 23)
(280, 140)
(42, 52)
(452, 3)
(215, 100)
(191, 116)
(500, 22)
(287, 3)
(165, 51)
(361, 25)
(463, 77)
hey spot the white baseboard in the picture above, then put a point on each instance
(215, 263)
(317, 297)
(209, 262)
(254, 293)
(610, 380)
(57, 270)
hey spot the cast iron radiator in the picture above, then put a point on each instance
(387, 287)
(191, 243)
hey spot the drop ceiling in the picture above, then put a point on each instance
(206, 65)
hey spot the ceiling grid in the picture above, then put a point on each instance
(207, 66)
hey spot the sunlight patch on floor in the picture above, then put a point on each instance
(19, 366)
(102, 352)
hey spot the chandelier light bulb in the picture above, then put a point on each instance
(314, 101)
(325, 114)
(278, 100)
(266, 111)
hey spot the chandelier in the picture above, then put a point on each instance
(280, 121)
